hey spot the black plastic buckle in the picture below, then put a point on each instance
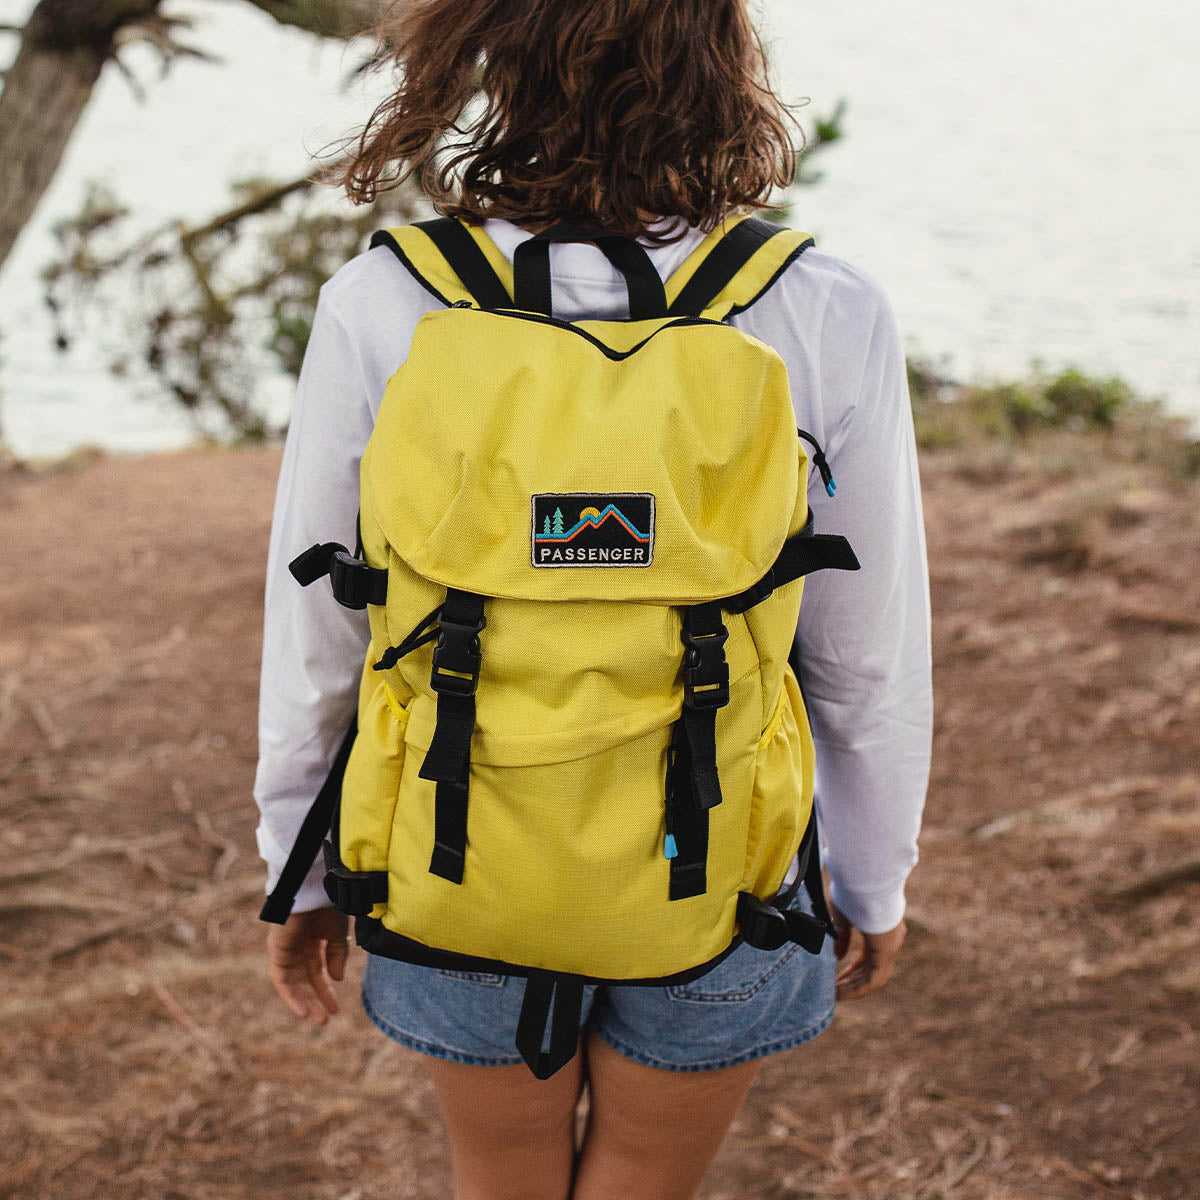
(763, 927)
(456, 657)
(704, 667)
(351, 580)
(314, 563)
(808, 932)
(356, 892)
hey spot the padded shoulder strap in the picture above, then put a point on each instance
(453, 261)
(732, 267)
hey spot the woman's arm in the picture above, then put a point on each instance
(313, 648)
(864, 636)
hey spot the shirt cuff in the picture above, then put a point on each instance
(869, 912)
(312, 891)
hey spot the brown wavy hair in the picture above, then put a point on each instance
(609, 112)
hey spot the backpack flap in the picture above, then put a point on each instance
(668, 468)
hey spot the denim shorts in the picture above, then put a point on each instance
(755, 1003)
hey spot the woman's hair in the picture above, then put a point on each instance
(608, 112)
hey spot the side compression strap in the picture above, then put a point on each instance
(802, 554)
(467, 261)
(556, 1001)
(312, 833)
(456, 663)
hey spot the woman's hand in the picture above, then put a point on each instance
(303, 956)
(876, 958)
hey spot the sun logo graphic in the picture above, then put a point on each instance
(592, 529)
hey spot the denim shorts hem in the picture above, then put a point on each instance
(648, 1060)
(430, 1048)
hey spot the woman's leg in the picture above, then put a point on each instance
(512, 1137)
(652, 1134)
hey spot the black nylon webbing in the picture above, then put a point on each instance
(556, 1001)
(693, 781)
(723, 262)
(467, 261)
(802, 554)
(449, 831)
(531, 270)
(456, 664)
(313, 830)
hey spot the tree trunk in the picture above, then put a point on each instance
(63, 49)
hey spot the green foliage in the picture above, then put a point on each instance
(826, 130)
(1086, 410)
(207, 311)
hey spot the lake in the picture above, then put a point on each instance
(1022, 178)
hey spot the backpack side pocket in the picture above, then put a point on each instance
(372, 781)
(783, 793)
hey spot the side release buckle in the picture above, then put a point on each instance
(705, 671)
(457, 657)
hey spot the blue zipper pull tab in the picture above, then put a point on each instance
(820, 462)
(670, 850)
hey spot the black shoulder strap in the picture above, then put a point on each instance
(724, 261)
(313, 830)
(467, 261)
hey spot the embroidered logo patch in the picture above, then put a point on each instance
(593, 529)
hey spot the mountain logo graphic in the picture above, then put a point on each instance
(592, 529)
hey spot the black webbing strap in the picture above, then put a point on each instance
(467, 261)
(687, 825)
(802, 554)
(531, 270)
(724, 261)
(814, 880)
(354, 583)
(313, 830)
(705, 689)
(555, 1001)
(693, 783)
(456, 663)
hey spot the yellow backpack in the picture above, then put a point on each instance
(581, 754)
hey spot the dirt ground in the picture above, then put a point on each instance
(1040, 1040)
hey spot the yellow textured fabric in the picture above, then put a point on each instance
(581, 678)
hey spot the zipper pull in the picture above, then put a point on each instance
(461, 304)
(820, 462)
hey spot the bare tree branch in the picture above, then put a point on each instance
(64, 47)
(327, 18)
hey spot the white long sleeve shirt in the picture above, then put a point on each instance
(863, 636)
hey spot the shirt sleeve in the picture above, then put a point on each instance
(313, 648)
(864, 641)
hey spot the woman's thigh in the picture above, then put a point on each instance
(652, 1134)
(512, 1137)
